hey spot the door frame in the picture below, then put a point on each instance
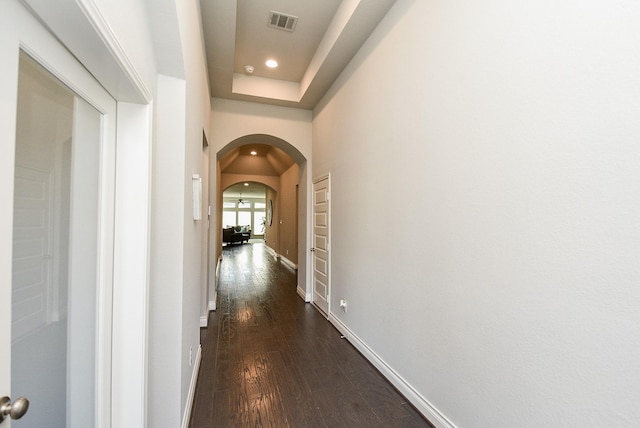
(24, 33)
(122, 393)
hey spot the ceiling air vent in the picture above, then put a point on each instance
(282, 21)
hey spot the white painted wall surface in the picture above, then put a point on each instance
(129, 20)
(197, 117)
(235, 119)
(167, 236)
(501, 142)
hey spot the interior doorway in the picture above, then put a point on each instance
(282, 168)
(58, 252)
(320, 249)
(244, 204)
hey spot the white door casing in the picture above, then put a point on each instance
(19, 30)
(321, 246)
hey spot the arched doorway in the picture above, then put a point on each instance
(244, 204)
(274, 162)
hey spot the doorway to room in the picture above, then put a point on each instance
(320, 245)
(61, 250)
(281, 169)
(245, 205)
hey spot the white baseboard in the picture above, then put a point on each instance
(271, 251)
(218, 267)
(303, 294)
(192, 389)
(212, 302)
(282, 258)
(425, 407)
(204, 321)
(288, 262)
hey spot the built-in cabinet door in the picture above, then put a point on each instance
(57, 180)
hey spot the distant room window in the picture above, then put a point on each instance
(244, 218)
(259, 218)
(229, 218)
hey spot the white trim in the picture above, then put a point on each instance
(131, 265)
(192, 389)
(288, 263)
(204, 321)
(218, 267)
(214, 296)
(104, 31)
(38, 43)
(271, 251)
(422, 404)
(303, 295)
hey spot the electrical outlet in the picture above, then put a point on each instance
(343, 305)
(190, 356)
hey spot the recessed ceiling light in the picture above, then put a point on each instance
(271, 63)
(248, 69)
(246, 184)
(253, 152)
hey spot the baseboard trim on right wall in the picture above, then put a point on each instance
(427, 409)
(271, 251)
(303, 294)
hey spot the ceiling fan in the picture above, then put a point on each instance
(240, 200)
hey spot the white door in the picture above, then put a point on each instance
(32, 247)
(320, 250)
(57, 173)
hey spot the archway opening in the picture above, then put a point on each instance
(244, 206)
(282, 169)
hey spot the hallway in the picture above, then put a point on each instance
(270, 360)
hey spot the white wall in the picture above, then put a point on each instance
(129, 20)
(234, 119)
(182, 114)
(197, 116)
(501, 141)
(167, 231)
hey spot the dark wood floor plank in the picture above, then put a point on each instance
(270, 360)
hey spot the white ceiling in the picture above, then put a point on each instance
(327, 35)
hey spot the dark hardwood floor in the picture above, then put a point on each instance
(270, 360)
